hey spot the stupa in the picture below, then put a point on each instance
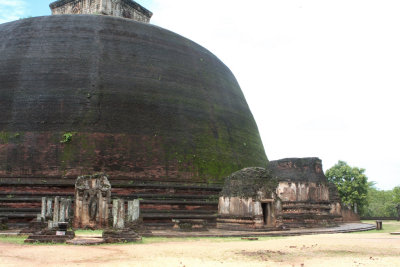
(79, 94)
(96, 88)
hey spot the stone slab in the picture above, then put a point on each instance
(121, 236)
(8, 233)
(49, 236)
(86, 241)
(342, 228)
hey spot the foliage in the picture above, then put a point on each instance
(396, 194)
(67, 137)
(382, 203)
(7, 137)
(13, 239)
(352, 185)
(354, 189)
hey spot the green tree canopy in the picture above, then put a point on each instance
(381, 203)
(396, 194)
(352, 184)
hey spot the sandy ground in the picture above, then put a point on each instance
(318, 250)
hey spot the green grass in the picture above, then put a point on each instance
(387, 227)
(13, 239)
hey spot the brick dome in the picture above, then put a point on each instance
(85, 93)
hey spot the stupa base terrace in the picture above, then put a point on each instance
(160, 203)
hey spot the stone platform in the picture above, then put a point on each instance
(50, 236)
(86, 241)
(341, 228)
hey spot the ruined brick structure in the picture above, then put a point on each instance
(301, 197)
(118, 8)
(248, 201)
(308, 199)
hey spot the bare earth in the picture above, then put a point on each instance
(364, 249)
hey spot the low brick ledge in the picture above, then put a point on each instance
(115, 183)
(342, 228)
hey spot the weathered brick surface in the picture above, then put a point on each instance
(307, 197)
(141, 104)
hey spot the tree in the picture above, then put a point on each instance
(396, 194)
(352, 185)
(381, 203)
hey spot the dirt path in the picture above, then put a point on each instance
(320, 250)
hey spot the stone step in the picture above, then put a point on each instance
(115, 192)
(170, 201)
(307, 203)
(148, 211)
(303, 206)
(179, 202)
(12, 194)
(305, 213)
(13, 215)
(159, 225)
(168, 207)
(171, 196)
(47, 236)
(2, 210)
(22, 196)
(115, 183)
(179, 216)
(144, 211)
(18, 225)
(86, 241)
(241, 227)
(305, 216)
(20, 199)
(44, 237)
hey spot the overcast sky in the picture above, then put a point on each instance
(321, 77)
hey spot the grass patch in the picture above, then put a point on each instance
(387, 227)
(19, 240)
(13, 239)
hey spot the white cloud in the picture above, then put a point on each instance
(321, 77)
(11, 10)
